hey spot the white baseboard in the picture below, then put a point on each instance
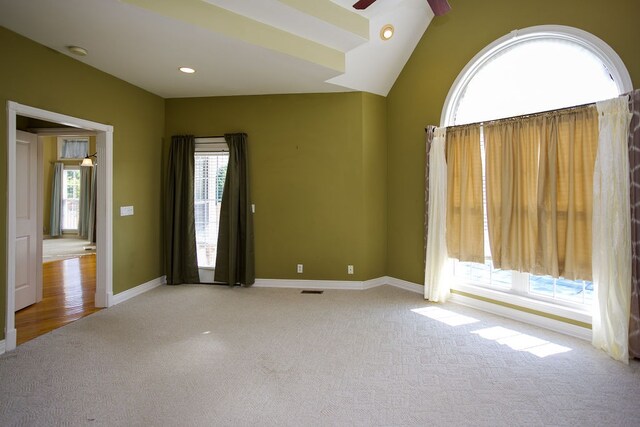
(522, 316)
(310, 284)
(373, 283)
(403, 284)
(339, 284)
(10, 340)
(100, 301)
(140, 289)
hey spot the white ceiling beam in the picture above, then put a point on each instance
(219, 20)
(334, 14)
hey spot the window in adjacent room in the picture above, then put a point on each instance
(211, 161)
(70, 198)
(532, 70)
(73, 147)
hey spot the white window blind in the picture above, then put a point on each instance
(210, 174)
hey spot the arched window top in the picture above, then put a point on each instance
(535, 69)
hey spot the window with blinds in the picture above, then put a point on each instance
(210, 174)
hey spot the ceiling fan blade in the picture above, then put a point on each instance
(439, 7)
(363, 4)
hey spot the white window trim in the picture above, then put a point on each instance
(576, 314)
(594, 44)
(622, 79)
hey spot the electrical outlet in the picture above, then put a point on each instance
(300, 268)
(349, 269)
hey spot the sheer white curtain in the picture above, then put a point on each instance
(436, 286)
(611, 231)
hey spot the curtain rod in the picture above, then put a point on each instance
(522, 116)
(210, 136)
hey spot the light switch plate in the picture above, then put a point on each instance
(126, 210)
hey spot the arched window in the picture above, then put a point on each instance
(536, 69)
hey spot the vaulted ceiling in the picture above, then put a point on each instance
(237, 47)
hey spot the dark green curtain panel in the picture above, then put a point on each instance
(180, 230)
(55, 221)
(235, 259)
(85, 202)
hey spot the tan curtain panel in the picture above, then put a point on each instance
(565, 193)
(465, 211)
(540, 192)
(512, 152)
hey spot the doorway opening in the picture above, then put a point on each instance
(66, 215)
(20, 261)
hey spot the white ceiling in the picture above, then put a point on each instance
(238, 47)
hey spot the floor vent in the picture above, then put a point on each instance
(311, 292)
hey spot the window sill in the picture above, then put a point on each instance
(206, 274)
(523, 303)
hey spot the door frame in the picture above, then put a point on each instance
(104, 208)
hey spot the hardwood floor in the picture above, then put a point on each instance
(68, 294)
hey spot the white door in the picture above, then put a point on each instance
(26, 218)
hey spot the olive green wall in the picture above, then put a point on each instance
(312, 159)
(375, 185)
(418, 95)
(40, 77)
(49, 157)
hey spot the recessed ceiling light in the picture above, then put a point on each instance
(77, 50)
(187, 70)
(386, 32)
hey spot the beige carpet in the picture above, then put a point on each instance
(64, 248)
(209, 356)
